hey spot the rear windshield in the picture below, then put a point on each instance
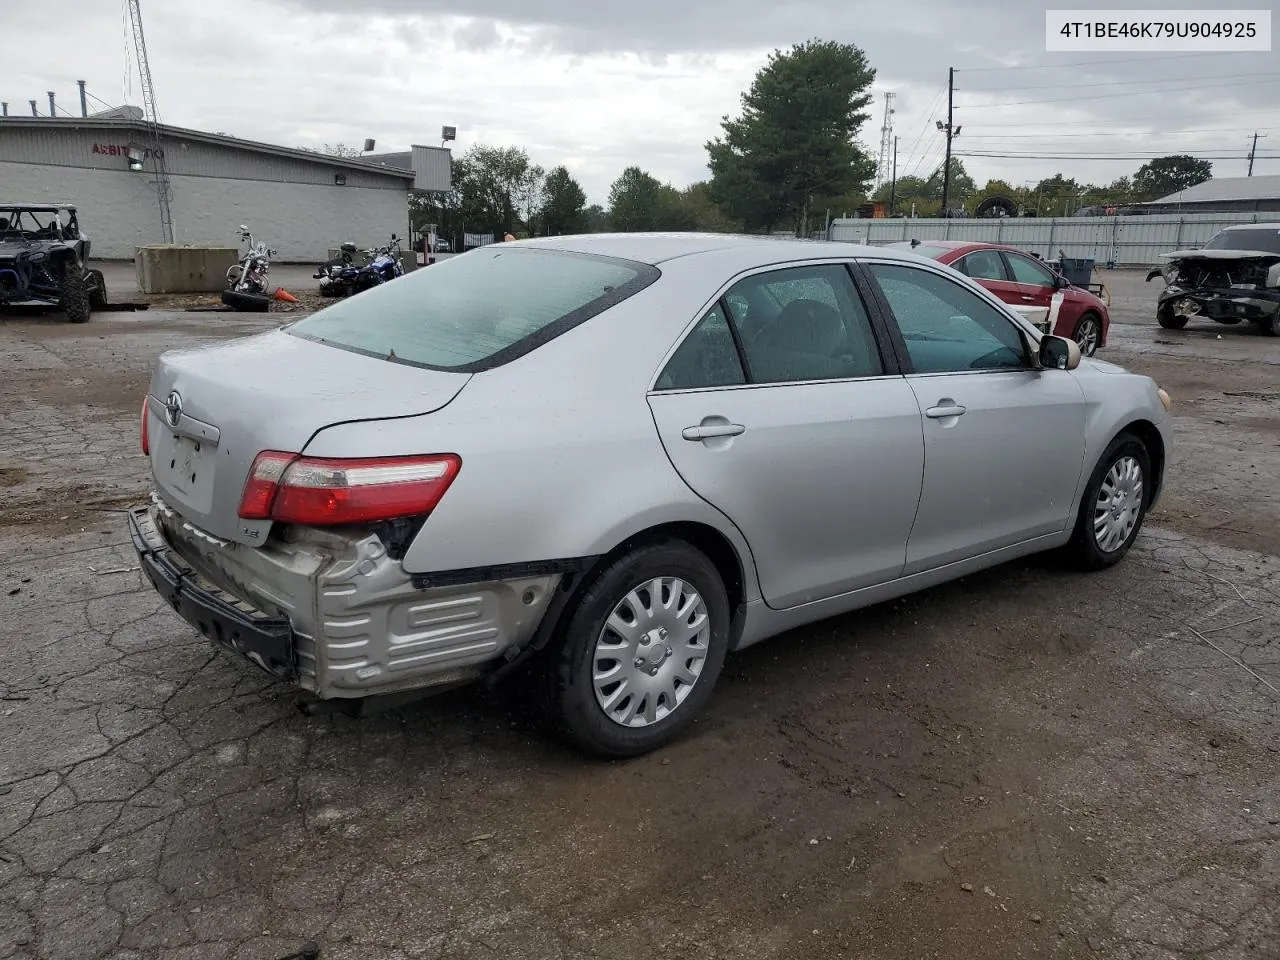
(924, 249)
(479, 309)
(1267, 240)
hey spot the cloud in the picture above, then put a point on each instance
(601, 85)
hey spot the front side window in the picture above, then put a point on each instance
(707, 357)
(946, 327)
(1026, 270)
(478, 309)
(983, 265)
(804, 323)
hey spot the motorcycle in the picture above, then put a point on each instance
(247, 280)
(385, 261)
(340, 277)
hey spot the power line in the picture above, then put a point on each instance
(1092, 63)
(933, 109)
(1110, 156)
(1108, 134)
(1110, 83)
(1111, 96)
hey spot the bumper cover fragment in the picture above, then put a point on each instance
(267, 641)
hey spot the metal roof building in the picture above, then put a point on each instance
(299, 202)
(1221, 195)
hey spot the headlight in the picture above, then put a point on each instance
(1273, 275)
(1170, 272)
(1165, 399)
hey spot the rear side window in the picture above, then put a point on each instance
(707, 357)
(479, 309)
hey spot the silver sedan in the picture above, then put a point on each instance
(618, 459)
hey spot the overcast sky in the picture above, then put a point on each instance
(601, 85)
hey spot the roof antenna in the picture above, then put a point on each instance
(914, 243)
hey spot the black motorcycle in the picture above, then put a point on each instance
(340, 277)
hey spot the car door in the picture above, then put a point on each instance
(1037, 290)
(797, 429)
(1004, 440)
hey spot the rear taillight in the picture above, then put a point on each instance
(144, 432)
(319, 491)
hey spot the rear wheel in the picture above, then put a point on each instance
(1270, 326)
(1088, 334)
(246, 302)
(97, 284)
(1169, 320)
(1113, 506)
(75, 296)
(641, 651)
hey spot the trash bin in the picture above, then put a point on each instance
(1078, 272)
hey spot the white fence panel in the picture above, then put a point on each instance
(1120, 241)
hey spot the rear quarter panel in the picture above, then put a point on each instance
(560, 455)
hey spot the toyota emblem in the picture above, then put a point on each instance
(173, 408)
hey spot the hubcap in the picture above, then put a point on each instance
(1087, 336)
(1115, 512)
(650, 652)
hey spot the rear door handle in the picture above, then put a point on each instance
(942, 412)
(709, 431)
(1026, 298)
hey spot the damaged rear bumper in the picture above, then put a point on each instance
(331, 612)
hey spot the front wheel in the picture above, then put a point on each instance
(75, 296)
(1088, 334)
(1170, 320)
(641, 651)
(1113, 506)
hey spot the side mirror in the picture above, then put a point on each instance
(393, 237)
(1060, 282)
(1059, 353)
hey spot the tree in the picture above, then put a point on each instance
(701, 212)
(563, 204)
(1165, 175)
(634, 201)
(498, 187)
(340, 150)
(1056, 196)
(794, 142)
(962, 185)
(597, 218)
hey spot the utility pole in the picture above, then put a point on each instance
(893, 185)
(1252, 151)
(951, 131)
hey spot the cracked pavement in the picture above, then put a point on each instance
(1027, 763)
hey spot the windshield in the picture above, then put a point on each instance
(1262, 238)
(479, 309)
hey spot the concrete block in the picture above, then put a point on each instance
(165, 268)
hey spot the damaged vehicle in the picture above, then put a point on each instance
(618, 459)
(1232, 278)
(44, 259)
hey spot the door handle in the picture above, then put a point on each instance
(944, 411)
(1027, 298)
(709, 431)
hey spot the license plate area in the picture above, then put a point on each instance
(184, 467)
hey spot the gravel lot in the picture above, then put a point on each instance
(1028, 763)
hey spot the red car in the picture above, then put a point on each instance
(1028, 285)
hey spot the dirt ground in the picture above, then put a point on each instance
(1028, 763)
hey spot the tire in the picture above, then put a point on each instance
(1088, 548)
(246, 302)
(602, 717)
(75, 297)
(1088, 333)
(1169, 320)
(97, 290)
(1270, 326)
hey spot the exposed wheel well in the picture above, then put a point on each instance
(1146, 431)
(710, 541)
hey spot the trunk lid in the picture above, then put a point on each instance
(211, 410)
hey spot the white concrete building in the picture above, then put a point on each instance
(298, 202)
